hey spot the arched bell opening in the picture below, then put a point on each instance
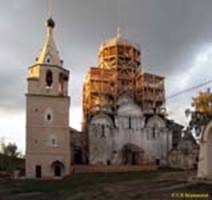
(49, 78)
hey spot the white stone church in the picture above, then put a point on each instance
(131, 138)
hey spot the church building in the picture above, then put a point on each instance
(124, 109)
(124, 118)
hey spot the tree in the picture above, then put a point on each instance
(203, 103)
(9, 149)
(201, 113)
(10, 157)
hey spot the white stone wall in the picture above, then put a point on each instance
(205, 158)
(129, 128)
(179, 160)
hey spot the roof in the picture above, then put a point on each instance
(172, 123)
(189, 137)
(49, 53)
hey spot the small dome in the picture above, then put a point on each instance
(156, 122)
(50, 23)
(130, 109)
(123, 99)
(102, 119)
(107, 109)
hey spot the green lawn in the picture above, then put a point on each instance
(78, 181)
(102, 186)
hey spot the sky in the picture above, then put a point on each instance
(175, 37)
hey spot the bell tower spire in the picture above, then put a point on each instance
(49, 54)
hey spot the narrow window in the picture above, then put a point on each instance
(130, 122)
(53, 141)
(103, 131)
(49, 78)
(153, 133)
(49, 117)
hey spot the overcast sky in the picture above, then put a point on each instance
(175, 37)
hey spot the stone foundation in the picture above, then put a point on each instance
(111, 168)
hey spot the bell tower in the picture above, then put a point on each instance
(47, 113)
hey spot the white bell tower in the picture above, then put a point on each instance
(47, 113)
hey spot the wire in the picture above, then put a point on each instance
(188, 90)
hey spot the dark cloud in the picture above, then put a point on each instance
(171, 33)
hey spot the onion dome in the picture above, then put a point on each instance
(50, 23)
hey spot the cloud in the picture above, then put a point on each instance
(175, 39)
(12, 127)
(76, 117)
(198, 72)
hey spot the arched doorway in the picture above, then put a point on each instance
(132, 154)
(58, 168)
(38, 171)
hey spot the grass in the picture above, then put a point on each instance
(82, 182)
(101, 186)
(198, 188)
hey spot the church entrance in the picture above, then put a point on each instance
(132, 154)
(38, 171)
(57, 171)
(58, 168)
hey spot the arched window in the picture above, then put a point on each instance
(48, 59)
(49, 78)
(53, 141)
(48, 115)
